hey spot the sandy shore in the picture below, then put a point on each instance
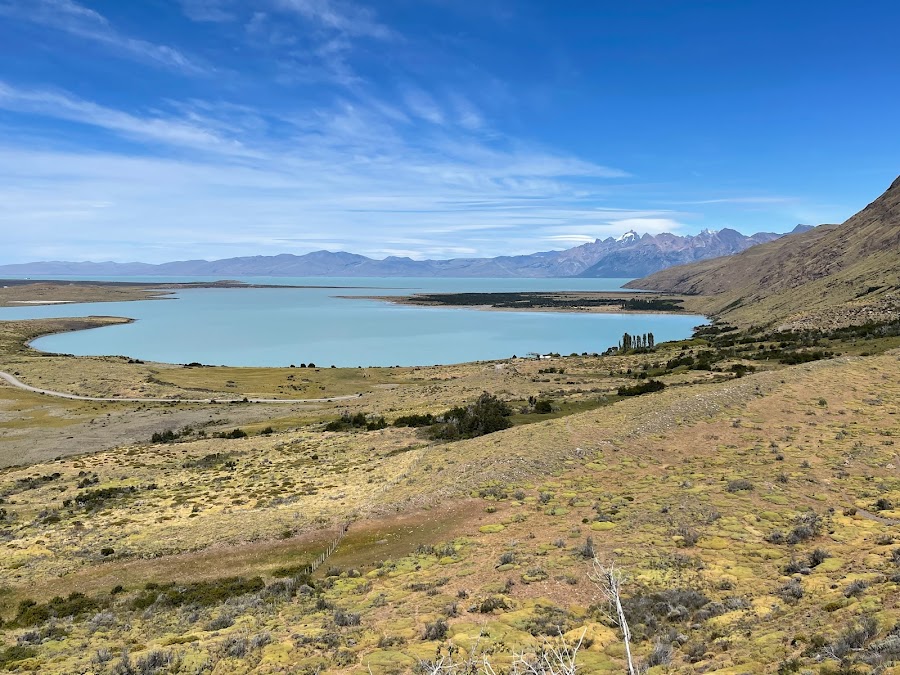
(40, 302)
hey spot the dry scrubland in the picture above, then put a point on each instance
(17, 293)
(755, 515)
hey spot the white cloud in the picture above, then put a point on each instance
(648, 225)
(210, 11)
(167, 209)
(422, 105)
(216, 179)
(82, 22)
(742, 200)
(570, 239)
(467, 115)
(343, 17)
(63, 106)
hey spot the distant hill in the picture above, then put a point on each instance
(628, 256)
(833, 274)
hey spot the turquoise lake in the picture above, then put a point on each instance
(284, 326)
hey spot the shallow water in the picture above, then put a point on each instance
(279, 327)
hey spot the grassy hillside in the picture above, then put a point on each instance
(752, 504)
(831, 275)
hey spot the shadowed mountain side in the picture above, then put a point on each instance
(831, 275)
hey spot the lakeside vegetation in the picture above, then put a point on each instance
(558, 300)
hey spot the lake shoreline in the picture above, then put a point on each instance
(37, 292)
(275, 327)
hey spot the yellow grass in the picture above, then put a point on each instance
(650, 479)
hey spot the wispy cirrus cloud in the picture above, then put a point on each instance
(422, 105)
(341, 16)
(742, 200)
(82, 22)
(317, 42)
(350, 177)
(302, 56)
(467, 115)
(208, 11)
(650, 225)
(64, 106)
(358, 168)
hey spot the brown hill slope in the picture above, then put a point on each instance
(833, 274)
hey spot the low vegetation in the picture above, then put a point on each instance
(554, 300)
(485, 416)
(750, 503)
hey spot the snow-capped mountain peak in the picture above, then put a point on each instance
(628, 237)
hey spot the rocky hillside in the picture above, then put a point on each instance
(847, 273)
(639, 256)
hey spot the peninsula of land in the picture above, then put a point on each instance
(19, 292)
(551, 301)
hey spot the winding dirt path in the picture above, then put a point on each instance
(9, 379)
(868, 515)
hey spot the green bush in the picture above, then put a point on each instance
(739, 485)
(487, 415)
(436, 631)
(210, 461)
(883, 505)
(543, 407)
(202, 593)
(806, 526)
(31, 613)
(14, 654)
(358, 420)
(642, 388)
(94, 499)
(167, 436)
(234, 433)
(794, 358)
(854, 638)
(343, 618)
(791, 592)
(489, 605)
(34, 482)
(649, 613)
(425, 420)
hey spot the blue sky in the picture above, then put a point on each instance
(157, 130)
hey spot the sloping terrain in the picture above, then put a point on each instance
(756, 522)
(833, 274)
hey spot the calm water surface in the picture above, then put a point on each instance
(279, 327)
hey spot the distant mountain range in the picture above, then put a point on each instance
(831, 276)
(630, 255)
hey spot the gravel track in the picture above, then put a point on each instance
(75, 397)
